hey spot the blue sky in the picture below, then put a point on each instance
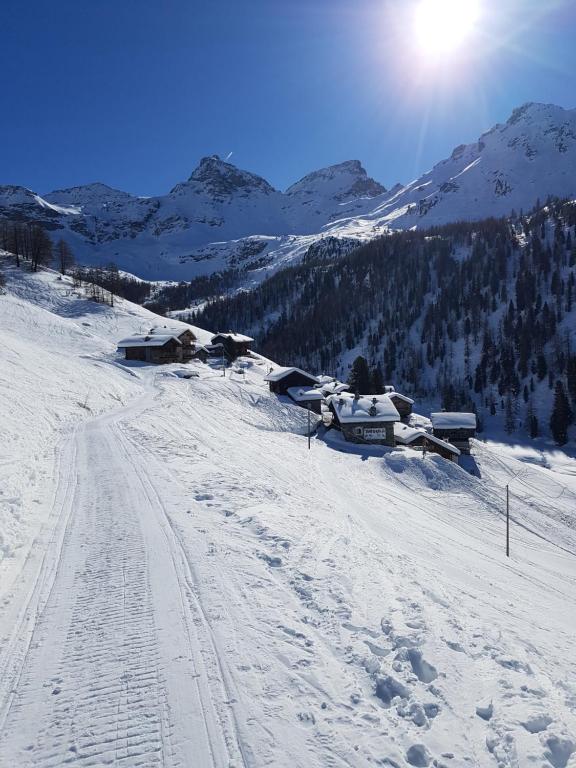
(133, 92)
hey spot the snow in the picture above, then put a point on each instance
(449, 420)
(187, 584)
(350, 409)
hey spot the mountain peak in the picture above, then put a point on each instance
(343, 181)
(221, 179)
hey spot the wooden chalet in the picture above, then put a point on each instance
(420, 440)
(455, 428)
(186, 335)
(234, 344)
(402, 403)
(307, 397)
(156, 348)
(281, 379)
(364, 419)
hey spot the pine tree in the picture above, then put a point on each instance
(359, 379)
(561, 415)
(510, 417)
(377, 380)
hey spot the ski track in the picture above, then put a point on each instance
(120, 668)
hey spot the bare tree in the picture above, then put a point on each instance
(40, 247)
(64, 257)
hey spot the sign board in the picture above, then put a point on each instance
(375, 433)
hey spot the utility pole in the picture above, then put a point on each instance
(507, 521)
(308, 425)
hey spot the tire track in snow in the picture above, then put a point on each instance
(112, 675)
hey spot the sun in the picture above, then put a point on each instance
(443, 26)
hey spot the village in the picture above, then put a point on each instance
(385, 419)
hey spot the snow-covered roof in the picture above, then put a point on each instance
(400, 397)
(304, 394)
(281, 372)
(148, 340)
(406, 435)
(237, 337)
(450, 420)
(375, 408)
(173, 330)
(334, 387)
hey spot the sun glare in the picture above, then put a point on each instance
(443, 26)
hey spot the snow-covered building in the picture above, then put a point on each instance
(282, 378)
(234, 344)
(364, 419)
(307, 397)
(333, 387)
(157, 346)
(154, 348)
(456, 428)
(419, 439)
(403, 404)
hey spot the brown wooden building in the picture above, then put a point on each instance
(186, 335)
(307, 397)
(423, 441)
(455, 428)
(402, 403)
(156, 348)
(235, 344)
(281, 379)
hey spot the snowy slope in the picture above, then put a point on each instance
(206, 591)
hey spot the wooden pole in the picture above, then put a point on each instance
(308, 425)
(507, 521)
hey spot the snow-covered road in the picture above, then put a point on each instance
(121, 666)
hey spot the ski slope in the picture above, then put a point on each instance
(193, 587)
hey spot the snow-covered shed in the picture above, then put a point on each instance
(307, 397)
(368, 419)
(281, 379)
(234, 344)
(455, 428)
(333, 387)
(419, 439)
(403, 404)
(154, 348)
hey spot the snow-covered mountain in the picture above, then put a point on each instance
(201, 225)
(530, 157)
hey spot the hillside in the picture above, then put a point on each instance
(477, 316)
(184, 583)
(223, 217)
